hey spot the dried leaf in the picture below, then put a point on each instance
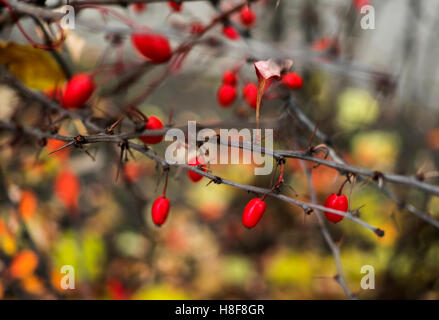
(267, 69)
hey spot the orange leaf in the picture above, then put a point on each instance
(23, 264)
(67, 189)
(28, 204)
(132, 171)
(33, 285)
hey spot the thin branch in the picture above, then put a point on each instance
(307, 207)
(301, 117)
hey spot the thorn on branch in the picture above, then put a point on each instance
(79, 141)
(42, 142)
(110, 130)
(63, 147)
(378, 177)
(401, 204)
(420, 176)
(54, 129)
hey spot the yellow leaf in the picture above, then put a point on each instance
(160, 292)
(35, 67)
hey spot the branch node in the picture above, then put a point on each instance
(379, 232)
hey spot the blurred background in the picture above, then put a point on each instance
(371, 91)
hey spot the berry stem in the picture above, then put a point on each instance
(279, 180)
(137, 113)
(109, 12)
(342, 186)
(166, 183)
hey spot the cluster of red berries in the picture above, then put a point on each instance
(255, 208)
(247, 17)
(156, 49)
(227, 92)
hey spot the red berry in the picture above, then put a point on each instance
(250, 93)
(336, 202)
(229, 77)
(329, 45)
(253, 212)
(292, 80)
(195, 177)
(230, 32)
(153, 123)
(79, 88)
(160, 210)
(153, 47)
(139, 7)
(226, 95)
(360, 3)
(175, 6)
(247, 16)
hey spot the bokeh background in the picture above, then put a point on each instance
(373, 93)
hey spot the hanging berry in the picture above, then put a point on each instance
(328, 45)
(337, 201)
(152, 123)
(253, 212)
(139, 7)
(176, 6)
(229, 77)
(195, 177)
(230, 32)
(78, 90)
(160, 207)
(247, 16)
(250, 93)
(160, 210)
(154, 47)
(226, 95)
(292, 80)
(358, 4)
